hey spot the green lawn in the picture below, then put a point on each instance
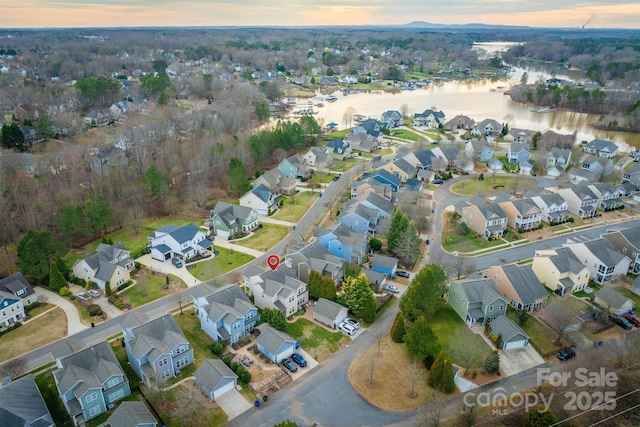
(539, 334)
(337, 134)
(452, 241)
(311, 336)
(574, 304)
(121, 355)
(345, 165)
(293, 208)
(226, 260)
(491, 184)
(407, 135)
(149, 288)
(47, 386)
(444, 324)
(265, 238)
(627, 292)
(198, 339)
(322, 177)
(40, 309)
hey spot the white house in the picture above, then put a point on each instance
(181, 242)
(263, 200)
(601, 258)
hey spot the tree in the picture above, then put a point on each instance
(12, 136)
(408, 245)
(424, 296)
(238, 181)
(368, 312)
(99, 89)
(62, 267)
(399, 223)
(56, 279)
(524, 79)
(523, 317)
(14, 368)
(35, 252)
(436, 371)
(492, 362)
(441, 375)
(72, 221)
(45, 127)
(398, 329)
(462, 265)
(558, 317)
(375, 244)
(447, 382)
(467, 348)
(99, 213)
(539, 416)
(321, 287)
(286, 423)
(154, 184)
(413, 372)
(347, 116)
(274, 317)
(107, 288)
(404, 110)
(355, 292)
(420, 339)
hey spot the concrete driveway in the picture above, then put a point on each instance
(168, 268)
(311, 363)
(74, 325)
(233, 403)
(519, 359)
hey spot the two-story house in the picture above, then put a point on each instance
(608, 196)
(553, 206)
(479, 151)
(391, 119)
(363, 142)
(460, 122)
(476, 301)
(518, 153)
(90, 381)
(183, 242)
(359, 218)
(448, 154)
(522, 214)
(401, 168)
(558, 159)
(632, 175)
(157, 349)
(601, 148)
(276, 182)
(627, 242)
(227, 314)
(21, 404)
(370, 127)
(229, 220)
(17, 285)
(598, 166)
(382, 206)
(487, 127)
(339, 148)
(295, 167)
(280, 289)
(318, 158)
(304, 257)
(601, 258)
(519, 135)
(519, 286)
(581, 201)
(488, 220)
(429, 118)
(385, 177)
(370, 185)
(260, 198)
(560, 270)
(110, 263)
(421, 159)
(343, 242)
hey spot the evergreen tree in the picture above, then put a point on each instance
(375, 244)
(398, 329)
(62, 268)
(154, 184)
(35, 252)
(399, 223)
(436, 371)
(274, 317)
(321, 287)
(355, 291)
(12, 136)
(424, 296)
(447, 381)
(420, 339)
(492, 362)
(238, 181)
(107, 288)
(56, 279)
(538, 417)
(369, 310)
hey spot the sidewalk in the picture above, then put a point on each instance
(270, 220)
(74, 325)
(224, 243)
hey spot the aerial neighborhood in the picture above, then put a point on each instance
(199, 240)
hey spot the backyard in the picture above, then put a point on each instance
(317, 341)
(452, 240)
(541, 336)
(47, 385)
(265, 237)
(320, 177)
(345, 165)
(491, 184)
(33, 334)
(225, 260)
(407, 135)
(293, 208)
(198, 339)
(150, 286)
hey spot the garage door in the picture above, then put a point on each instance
(515, 344)
(222, 390)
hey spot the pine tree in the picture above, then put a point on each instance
(399, 223)
(492, 362)
(56, 279)
(435, 374)
(398, 329)
(238, 181)
(369, 309)
(420, 339)
(447, 382)
(107, 288)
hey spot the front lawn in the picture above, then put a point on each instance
(33, 334)
(321, 178)
(293, 208)
(337, 134)
(453, 241)
(345, 165)
(198, 339)
(316, 340)
(491, 184)
(265, 238)
(225, 261)
(444, 324)
(406, 135)
(150, 287)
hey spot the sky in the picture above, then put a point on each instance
(137, 13)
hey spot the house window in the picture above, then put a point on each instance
(91, 397)
(490, 309)
(180, 349)
(182, 362)
(165, 375)
(162, 362)
(501, 307)
(119, 394)
(112, 382)
(94, 411)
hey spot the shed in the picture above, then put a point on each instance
(329, 313)
(215, 378)
(512, 335)
(613, 300)
(274, 344)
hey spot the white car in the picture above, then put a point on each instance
(347, 328)
(392, 289)
(83, 296)
(353, 323)
(95, 293)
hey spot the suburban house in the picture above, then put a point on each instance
(371, 200)
(414, 185)
(460, 122)
(598, 166)
(560, 270)
(370, 127)
(96, 118)
(581, 201)
(519, 135)
(21, 404)
(401, 168)
(230, 220)
(553, 206)
(448, 154)
(329, 313)
(385, 264)
(25, 112)
(157, 349)
(632, 175)
(132, 414)
(183, 242)
(391, 119)
(601, 258)
(363, 142)
(226, 315)
(279, 289)
(110, 263)
(608, 196)
(318, 158)
(476, 301)
(557, 161)
(601, 148)
(11, 309)
(478, 151)
(295, 167)
(487, 127)
(90, 381)
(626, 189)
(522, 214)
(274, 344)
(518, 153)
(17, 285)
(304, 257)
(488, 220)
(385, 177)
(359, 218)
(519, 286)
(30, 135)
(370, 185)
(613, 301)
(276, 182)
(495, 165)
(103, 160)
(627, 242)
(377, 280)
(424, 159)
(429, 118)
(215, 378)
(511, 335)
(260, 198)
(343, 242)
(339, 147)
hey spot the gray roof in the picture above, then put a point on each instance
(566, 261)
(21, 404)
(273, 339)
(262, 192)
(525, 205)
(602, 145)
(480, 290)
(632, 235)
(228, 301)
(15, 283)
(612, 297)
(328, 309)
(424, 157)
(377, 201)
(106, 260)
(525, 283)
(560, 153)
(583, 192)
(130, 414)
(516, 147)
(492, 209)
(374, 277)
(405, 166)
(160, 336)
(551, 199)
(211, 372)
(507, 328)
(604, 251)
(236, 211)
(385, 261)
(344, 234)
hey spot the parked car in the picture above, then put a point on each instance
(620, 321)
(566, 354)
(352, 322)
(337, 177)
(287, 363)
(299, 360)
(176, 262)
(437, 182)
(95, 293)
(632, 318)
(392, 289)
(347, 328)
(402, 273)
(83, 296)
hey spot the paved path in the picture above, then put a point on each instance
(74, 325)
(221, 242)
(271, 220)
(168, 268)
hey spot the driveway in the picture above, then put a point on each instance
(74, 325)
(233, 403)
(311, 363)
(168, 268)
(519, 359)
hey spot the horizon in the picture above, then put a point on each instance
(70, 14)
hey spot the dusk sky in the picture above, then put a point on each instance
(132, 13)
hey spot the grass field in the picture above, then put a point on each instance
(317, 341)
(47, 385)
(150, 287)
(226, 260)
(33, 334)
(444, 325)
(539, 334)
(345, 165)
(452, 241)
(490, 184)
(198, 339)
(322, 177)
(407, 135)
(265, 238)
(293, 208)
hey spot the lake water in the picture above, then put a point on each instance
(477, 100)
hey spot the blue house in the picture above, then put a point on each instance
(392, 119)
(226, 315)
(359, 218)
(343, 242)
(339, 147)
(385, 177)
(385, 264)
(479, 151)
(382, 207)
(370, 127)
(413, 185)
(518, 153)
(274, 344)
(295, 167)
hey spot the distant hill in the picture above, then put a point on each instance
(422, 24)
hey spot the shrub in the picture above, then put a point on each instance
(245, 376)
(492, 362)
(64, 291)
(94, 310)
(234, 366)
(217, 348)
(125, 285)
(226, 360)
(398, 328)
(72, 297)
(137, 265)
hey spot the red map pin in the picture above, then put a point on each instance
(273, 261)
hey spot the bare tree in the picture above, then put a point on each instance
(404, 110)
(413, 372)
(558, 317)
(467, 348)
(462, 265)
(347, 116)
(373, 360)
(14, 367)
(467, 415)
(180, 300)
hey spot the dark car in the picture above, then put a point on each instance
(566, 354)
(299, 360)
(437, 181)
(620, 321)
(402, 273)
(176, 262)
(632, 318)
(287, 363)
(337, 177)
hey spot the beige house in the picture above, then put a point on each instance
(522, 214)
(519, 286)
(402, 169)
(560, 271)
(488, 220)
(110, 263)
